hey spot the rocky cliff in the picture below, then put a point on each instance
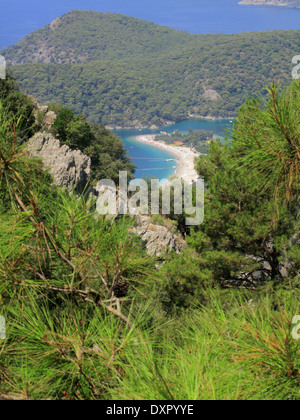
(71, 169)
(158, 239)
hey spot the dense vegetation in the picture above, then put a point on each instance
(105, 149)
(91, 316)
(127, 72)
(17, 103)
(196, 139)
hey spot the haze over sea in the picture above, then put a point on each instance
(18, 18)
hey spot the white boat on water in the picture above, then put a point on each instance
(169, 160)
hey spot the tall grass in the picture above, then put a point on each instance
(243, 352)
(238, 351)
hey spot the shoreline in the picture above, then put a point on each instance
(167, 124)
(185, 157)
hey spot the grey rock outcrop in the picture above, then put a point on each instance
(44, 117)
(158, 239)
(71, 169)
(49, 118)
(211, 95)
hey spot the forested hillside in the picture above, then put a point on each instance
(123, 71)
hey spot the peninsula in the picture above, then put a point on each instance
(282, 3)
(185, 157)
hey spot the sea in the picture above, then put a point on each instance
(19, 17)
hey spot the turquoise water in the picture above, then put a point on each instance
(20, 17)
(151, 161)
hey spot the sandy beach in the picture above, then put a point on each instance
(184, 156)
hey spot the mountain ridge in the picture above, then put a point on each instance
(126, 72)
(96, 26)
